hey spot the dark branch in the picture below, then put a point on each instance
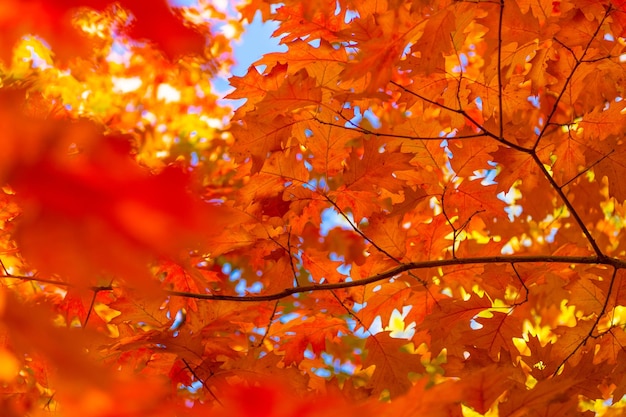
(585, 260)
(578, 61)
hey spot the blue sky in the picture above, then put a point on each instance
(256, 41)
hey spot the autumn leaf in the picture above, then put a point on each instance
(393, 362)
(484, 387)
(270, 399)
(549, 396)
(381, 301)
(325, 331)
(439, 400)
(450, 318)
(493, 334)
(61, 347)
(374, 165)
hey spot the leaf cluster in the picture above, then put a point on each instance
(417, 210)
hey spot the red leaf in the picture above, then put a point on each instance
(154, 21)
(180, 374)
(98, 211)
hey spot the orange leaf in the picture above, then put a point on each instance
(392, 363)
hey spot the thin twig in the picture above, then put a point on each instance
(4, 268)
(93, 301)
(394, 135)
(351, 313)
(593, 327)
(500, 89)
(364, 236)
(566, 84)
(358, 231)
(445, 215)
(523, 285)
(587, 169)
(569, 205)
(486, 132)
(204, 384)
(269, 324)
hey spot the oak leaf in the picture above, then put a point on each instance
(392, 361)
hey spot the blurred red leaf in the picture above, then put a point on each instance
(154, 21)
(272, 398)
(95, 210)
(35, 333)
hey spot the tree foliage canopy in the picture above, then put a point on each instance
(416, 209)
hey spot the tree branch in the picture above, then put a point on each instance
(500, 89)
(570, 206)
(391, 135)
(513, 259)
(566, 84)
